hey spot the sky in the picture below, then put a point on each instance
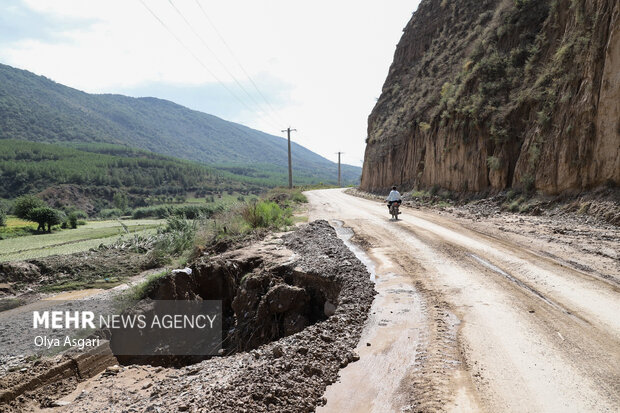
(316, 66)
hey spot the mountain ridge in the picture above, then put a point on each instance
(35, 108)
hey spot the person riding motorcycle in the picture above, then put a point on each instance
(394, 196)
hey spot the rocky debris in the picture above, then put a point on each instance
(286, 375)
(264, 295)
(19, 271)
(6, 289)
(112, 370)
(329, 309)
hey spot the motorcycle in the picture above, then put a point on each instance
(394, 210)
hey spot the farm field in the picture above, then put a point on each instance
(224, 199)
(69, 241)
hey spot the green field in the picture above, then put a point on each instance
(69, 241)
(16, 227)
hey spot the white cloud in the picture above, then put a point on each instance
(329, 58)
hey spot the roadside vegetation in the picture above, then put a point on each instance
(104, 253)
(513, 200)
(434, 196)
(182, 240)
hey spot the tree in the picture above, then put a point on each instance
(25, 204)
(2, 218)
(73, 220)
(120, 200)
(45, 216)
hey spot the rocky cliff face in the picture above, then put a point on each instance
(489, 94)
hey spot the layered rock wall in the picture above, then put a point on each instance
(489, 94)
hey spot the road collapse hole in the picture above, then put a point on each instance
(258, 305)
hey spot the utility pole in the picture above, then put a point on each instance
(290, 165)
(339, 153)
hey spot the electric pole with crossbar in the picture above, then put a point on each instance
(339, 153)
(290, 165)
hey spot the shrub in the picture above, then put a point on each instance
(110, 213)
(445, 194)
(514, 206)
(528, 181)
(266, 214)
(160, 211)
(174, 239)
(194, 211)
(494, 163)
(2, 218)
(434, 189)
(72, 220)
(25, 204)
(7, 206)
(184, 211)
(424, 126)
(511, 194)
(299, 198)
(80, 214)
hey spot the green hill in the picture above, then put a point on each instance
(37, 109)
(91, 174)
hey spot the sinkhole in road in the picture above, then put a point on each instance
(259, 305)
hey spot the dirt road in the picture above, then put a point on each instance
(465, 321)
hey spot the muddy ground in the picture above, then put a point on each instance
(421, 307)
(103, 267)
(517, 312)
(582, 232)
(289, 374)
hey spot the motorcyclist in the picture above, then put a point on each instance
(394, 196)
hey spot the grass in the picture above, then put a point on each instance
(420, 194)
(516, 205)
(142, 290)
(83, 238)
(177, 242)
(267, 214)
(16, 227)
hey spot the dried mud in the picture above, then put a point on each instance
(285, 375)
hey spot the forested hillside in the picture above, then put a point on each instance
(98, 171)
(35, 108)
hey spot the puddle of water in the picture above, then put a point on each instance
(345, 234)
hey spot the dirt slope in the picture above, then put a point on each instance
(484, 95)
(480, 319)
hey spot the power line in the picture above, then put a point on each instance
(235, 57)
(194, 56)
(191, 27)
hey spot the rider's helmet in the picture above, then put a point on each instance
(394, 188)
